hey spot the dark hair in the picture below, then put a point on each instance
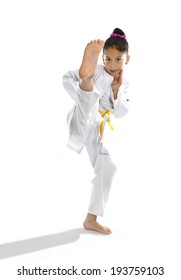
(120, 44)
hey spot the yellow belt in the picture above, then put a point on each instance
(106, 116)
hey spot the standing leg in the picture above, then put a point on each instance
(104, 170)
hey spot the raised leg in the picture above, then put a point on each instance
(89, 62)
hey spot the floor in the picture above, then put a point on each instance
(43, 227)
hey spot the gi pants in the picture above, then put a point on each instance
(84, 128)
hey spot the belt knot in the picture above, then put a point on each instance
(106, 119)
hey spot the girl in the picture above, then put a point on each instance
(98, 90)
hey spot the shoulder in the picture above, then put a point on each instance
(99, 71)
(102, 75)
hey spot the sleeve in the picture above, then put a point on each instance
(122, 103)
(70, 82)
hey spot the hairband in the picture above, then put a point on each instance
(118, 35)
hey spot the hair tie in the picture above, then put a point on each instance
(118, 35)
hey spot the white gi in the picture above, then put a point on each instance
(83, 122)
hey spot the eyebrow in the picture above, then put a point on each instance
(120, 56)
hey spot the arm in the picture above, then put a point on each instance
(122, 102)
(70, 82)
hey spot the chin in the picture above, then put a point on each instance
(113, 74)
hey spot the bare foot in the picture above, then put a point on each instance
(90, 58)
(90, 223)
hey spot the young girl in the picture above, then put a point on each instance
(98, 91)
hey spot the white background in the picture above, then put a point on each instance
(44, 187)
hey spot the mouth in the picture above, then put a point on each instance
(114, 72)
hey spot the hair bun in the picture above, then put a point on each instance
(119, 31)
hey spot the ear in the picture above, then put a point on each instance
(103, 59)
(127, 59)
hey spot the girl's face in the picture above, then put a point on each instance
(114, 60)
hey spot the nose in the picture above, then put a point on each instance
(112, 64)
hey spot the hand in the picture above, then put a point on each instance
(117, 82)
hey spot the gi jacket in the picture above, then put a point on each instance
(102, 85)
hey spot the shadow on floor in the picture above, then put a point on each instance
(16, 248)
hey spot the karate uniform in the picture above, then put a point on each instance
(84, 123)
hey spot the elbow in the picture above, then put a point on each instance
(121, 112)
(64, 81)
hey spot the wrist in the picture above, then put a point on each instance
(115, 93)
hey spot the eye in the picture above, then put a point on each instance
(107, 59)
(119, 59)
